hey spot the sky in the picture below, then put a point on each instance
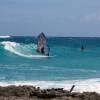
(53, 17)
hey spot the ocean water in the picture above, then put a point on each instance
(20, 64)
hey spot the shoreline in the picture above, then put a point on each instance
(88, 85)
(27, 92)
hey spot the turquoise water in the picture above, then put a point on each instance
(67, 64)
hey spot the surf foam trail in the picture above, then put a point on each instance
(27, 51)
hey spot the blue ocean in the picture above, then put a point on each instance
(67, 64)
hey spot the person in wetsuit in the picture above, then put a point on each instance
(42, 50)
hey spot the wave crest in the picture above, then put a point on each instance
(28, 51)
(5, 36)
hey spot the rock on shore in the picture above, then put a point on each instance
(35, 93)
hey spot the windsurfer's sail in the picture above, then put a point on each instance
(42, 46)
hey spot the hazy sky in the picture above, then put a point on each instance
(53, 17)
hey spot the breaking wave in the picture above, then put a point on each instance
(28, 51)
(5, 36)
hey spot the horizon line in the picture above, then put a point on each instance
(53, 36)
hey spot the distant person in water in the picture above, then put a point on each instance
(82, 48)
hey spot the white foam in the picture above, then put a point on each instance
(89, 85)
(16, 49)
(5, 36)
